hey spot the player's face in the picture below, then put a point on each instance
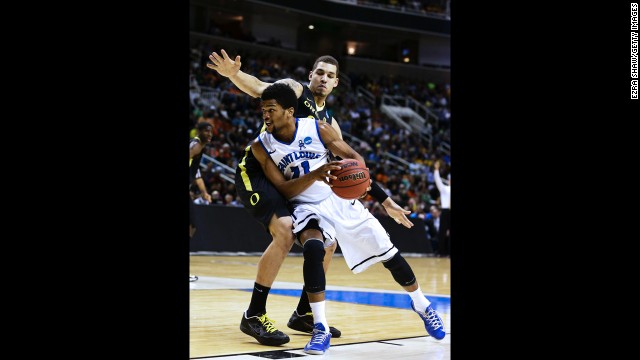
(206, 134)
(273, 115)
(323, 79)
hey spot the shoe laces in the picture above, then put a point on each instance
(319, 337)
(433, 319)
(268, 323)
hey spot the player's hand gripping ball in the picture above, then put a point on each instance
(352, 179)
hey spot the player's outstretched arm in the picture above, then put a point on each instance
(293, 187)
(397, 213)
(249, 84)
(334, 142)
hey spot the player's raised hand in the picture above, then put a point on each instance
(223, 64)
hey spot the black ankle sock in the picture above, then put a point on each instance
(258, 304)
(303, 304)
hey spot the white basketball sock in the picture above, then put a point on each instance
(317, 308)
(419, 301)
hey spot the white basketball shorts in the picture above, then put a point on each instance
(362, 238)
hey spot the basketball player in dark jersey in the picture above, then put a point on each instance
(196, 149)
(268, 206)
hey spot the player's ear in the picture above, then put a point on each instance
(310, 74)
(337, 81)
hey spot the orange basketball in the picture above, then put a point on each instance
(352, 181)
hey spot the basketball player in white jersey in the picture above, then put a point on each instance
(299, 146)
(261, 199)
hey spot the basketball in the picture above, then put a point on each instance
(352, 181)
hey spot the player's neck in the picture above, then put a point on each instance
(320, 101)
(287, 133)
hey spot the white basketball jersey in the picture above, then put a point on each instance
(299, 157)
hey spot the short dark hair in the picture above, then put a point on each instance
(283, 94)
(326, 59)
(203, 125)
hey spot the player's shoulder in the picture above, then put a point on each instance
(322, 125)
(194, 142)
(255, 144)
(310, 120)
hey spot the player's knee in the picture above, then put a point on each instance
(311, 230)
(313, 272)
(331, 249)
(313, 250)
(280, 229)
(400, 270)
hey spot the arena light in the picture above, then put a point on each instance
(311, 27)
(351, 47)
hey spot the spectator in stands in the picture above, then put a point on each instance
(432, 226)
(230, 200)
(444, 246)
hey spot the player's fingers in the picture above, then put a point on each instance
(327, 173)
(238, 59)
(408, 224)
(224, 54)
(217, 57)
(404, 221)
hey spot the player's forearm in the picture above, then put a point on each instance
(293, 187)
(380, 195)
(336, 127)
(201, 186)
(288, 188)
(249, 84)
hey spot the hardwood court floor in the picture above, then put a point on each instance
(217, 302)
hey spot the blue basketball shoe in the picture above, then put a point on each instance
(319, 342)
(432, 322)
